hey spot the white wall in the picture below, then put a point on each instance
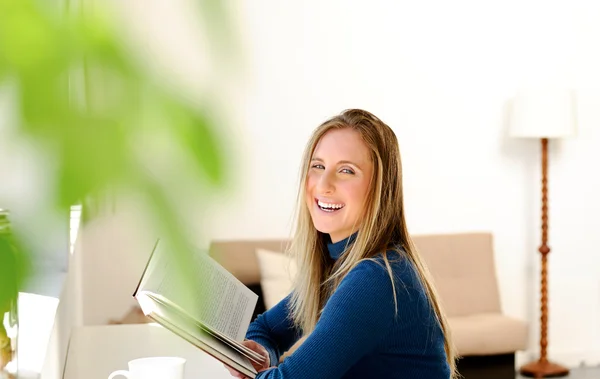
(440, 74)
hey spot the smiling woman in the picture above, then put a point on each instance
(362, 302)
(337, 183)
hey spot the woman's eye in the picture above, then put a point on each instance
(319, 166)
(347, 171)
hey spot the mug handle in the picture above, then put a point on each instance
(125, 373)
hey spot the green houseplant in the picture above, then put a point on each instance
(92, 139)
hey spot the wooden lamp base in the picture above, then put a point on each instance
(543, 369)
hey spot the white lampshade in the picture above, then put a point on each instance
(542, 113)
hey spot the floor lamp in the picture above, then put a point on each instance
(543, 114)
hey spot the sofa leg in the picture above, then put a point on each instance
(500, 366)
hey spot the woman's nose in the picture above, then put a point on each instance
(325, 183)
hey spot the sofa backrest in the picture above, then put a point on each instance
(239, 256)
(463, 269)
(461, 264)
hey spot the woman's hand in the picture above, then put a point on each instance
(257, 366)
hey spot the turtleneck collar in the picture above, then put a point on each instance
(337, 249)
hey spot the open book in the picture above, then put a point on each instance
(214, 315)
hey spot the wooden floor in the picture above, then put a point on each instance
(579, 373)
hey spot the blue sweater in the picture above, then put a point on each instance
(358, 334)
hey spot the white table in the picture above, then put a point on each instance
(95, 351)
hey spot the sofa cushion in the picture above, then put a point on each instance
(277, 271)
(463, 269)
(488, 333)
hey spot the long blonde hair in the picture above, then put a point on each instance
(383, 227)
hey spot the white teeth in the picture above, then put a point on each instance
(329, 206)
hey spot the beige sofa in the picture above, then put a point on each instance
(463, 269)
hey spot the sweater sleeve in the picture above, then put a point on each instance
(354, 321)
(274, 330)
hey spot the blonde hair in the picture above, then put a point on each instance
(383, 227)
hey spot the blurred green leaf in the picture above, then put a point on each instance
(174, 229)
(80, 97)
(43, 104)
(194, 131)
(95, 41)
(93, 155)
(217, 23)
(8, 276)
(3, 68)
(13, 271)
(30, 40)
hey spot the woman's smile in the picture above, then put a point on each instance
(329, 207)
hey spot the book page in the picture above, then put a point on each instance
(176, 313)
(186, 329)
(216, 298)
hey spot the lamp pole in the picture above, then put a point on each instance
(542, 367)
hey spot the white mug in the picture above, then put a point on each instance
(153, 368)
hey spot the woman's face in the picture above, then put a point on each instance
(338, 183)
